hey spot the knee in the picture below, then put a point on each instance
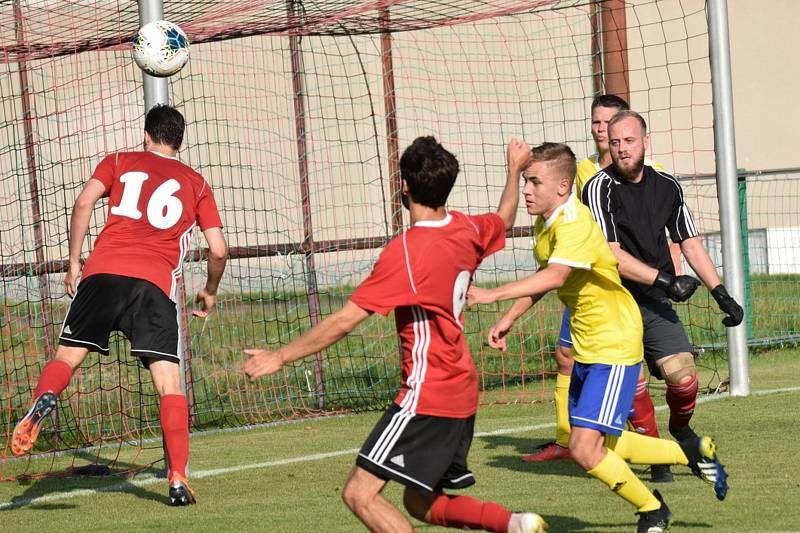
(678, 369)
(166, 377)
(582, 456)
(353, 498)
(587, 453)
(417, 504)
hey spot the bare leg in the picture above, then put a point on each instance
(587, 447)
(71, 355)
(362, 495)
(166, 377)
(588, 450)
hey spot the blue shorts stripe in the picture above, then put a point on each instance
(564, 335)
(601, 396)
(611, 394)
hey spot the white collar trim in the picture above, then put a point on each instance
(435, 223)
(159, 154)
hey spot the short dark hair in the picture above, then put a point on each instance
(628, 113)
(429, 170)
(610, 100)
(165, 125)
(560, 154)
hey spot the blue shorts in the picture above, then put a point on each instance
(565, 337)
(601, 396)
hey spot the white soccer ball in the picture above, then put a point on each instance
(160, 48)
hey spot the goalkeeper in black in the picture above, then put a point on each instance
(636, 206)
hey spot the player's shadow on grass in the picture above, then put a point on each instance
(563, 524)
(113, 482)
(524, 446)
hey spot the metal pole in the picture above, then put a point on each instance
(725, 150)
(299, 89)
(596, 25)
(748, 294)
(156, 90)
(610, 46)
(615, 49)
(390, 104)
(33, 188)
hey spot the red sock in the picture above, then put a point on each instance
(175, 427)
(55, 378)
(682, 400)
(464, 512)
(644, 414)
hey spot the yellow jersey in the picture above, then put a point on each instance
(590, 166)
(605, 322)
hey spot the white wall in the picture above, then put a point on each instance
(764, 66)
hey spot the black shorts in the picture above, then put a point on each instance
(663, 333)
(106, 302)
(419, 451)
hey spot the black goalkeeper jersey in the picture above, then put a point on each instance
(636, 216)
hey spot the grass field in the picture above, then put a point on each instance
(288, 477)
(359, 373)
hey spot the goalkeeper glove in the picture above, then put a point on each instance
(728, 306)
(678, 289)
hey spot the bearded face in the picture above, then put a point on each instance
(627, 142)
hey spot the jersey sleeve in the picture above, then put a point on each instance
(389, 285)
(104, 172)
(597, 197)
(574, 246)
(207, 212)
(491, 232)
(681, 224)
(586, 169)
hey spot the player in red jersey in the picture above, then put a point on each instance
(423, 439)
(128, 283)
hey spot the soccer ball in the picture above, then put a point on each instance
(160, 48)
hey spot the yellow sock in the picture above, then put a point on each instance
(643, 450)
(615, 473)
(561, 396)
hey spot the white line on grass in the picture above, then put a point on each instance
(149, 479)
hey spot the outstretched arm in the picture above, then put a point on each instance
(497, 333)
(92, 191)
(327, 332)
(547, 279)
(518, 157)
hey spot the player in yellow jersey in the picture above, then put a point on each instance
(576, 261)
(604, 107)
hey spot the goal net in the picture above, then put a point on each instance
(296, 115)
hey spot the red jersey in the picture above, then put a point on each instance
(423, 275)
(154, 202)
